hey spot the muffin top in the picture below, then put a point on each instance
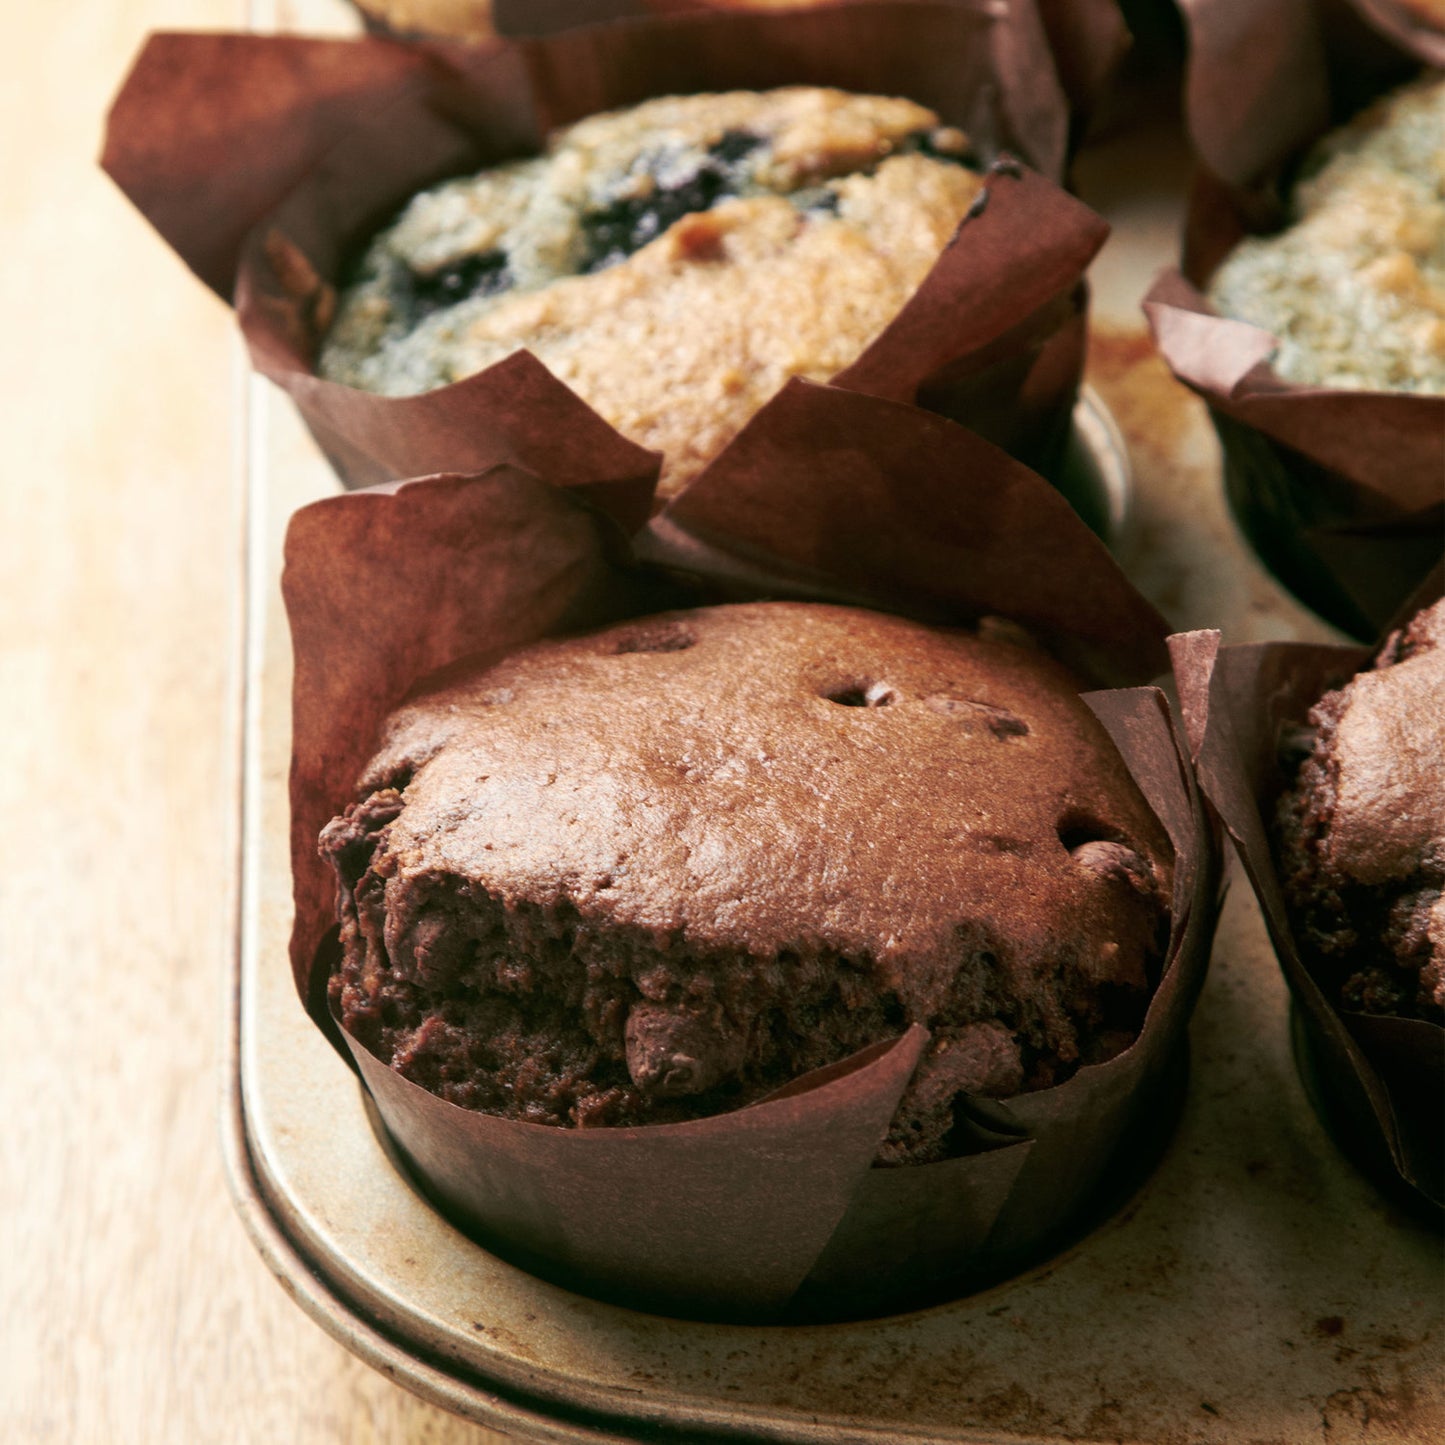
(674, 263)
(662, 869)
(1354, 289)
(1388, 760)
(762, 772)
(1362, 829)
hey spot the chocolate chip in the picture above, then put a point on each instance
(863, 694)
(1077, 827)
(658, 637)
(671, 1055)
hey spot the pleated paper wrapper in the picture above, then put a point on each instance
(1086, 38)
(1380, 1080)
(773, 1211)
(267, 161)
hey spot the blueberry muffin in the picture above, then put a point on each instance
(1354, 289)
(675, 264)
(655, 872)
(1361, 832)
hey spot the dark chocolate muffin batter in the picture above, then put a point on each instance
(1361, 832)
(658, 871)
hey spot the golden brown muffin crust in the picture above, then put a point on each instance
(675, 264)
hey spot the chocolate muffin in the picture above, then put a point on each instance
(675, 263)
(1361, 832)
(1354, 288)
(658, 871)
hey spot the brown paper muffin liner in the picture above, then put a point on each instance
(1404, 32)
(265, 161)
(1342, 493)
(1086, 38)
(772, 1211)
(1378, 1082)
(1265, 78)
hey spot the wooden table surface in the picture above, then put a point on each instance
(132, 1305)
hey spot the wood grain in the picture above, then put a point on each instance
(132, 1306)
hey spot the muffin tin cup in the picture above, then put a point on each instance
(1375, 1080)
(773, 1211)
(266, 161)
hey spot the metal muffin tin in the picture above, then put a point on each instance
(1256, 1290)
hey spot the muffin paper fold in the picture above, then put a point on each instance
(1265, 78)
(1406, 30)
(896, 480)
(1087, 38)
(773, 1211)
(639, 1211)
(266, 161)
(1380, 1080)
